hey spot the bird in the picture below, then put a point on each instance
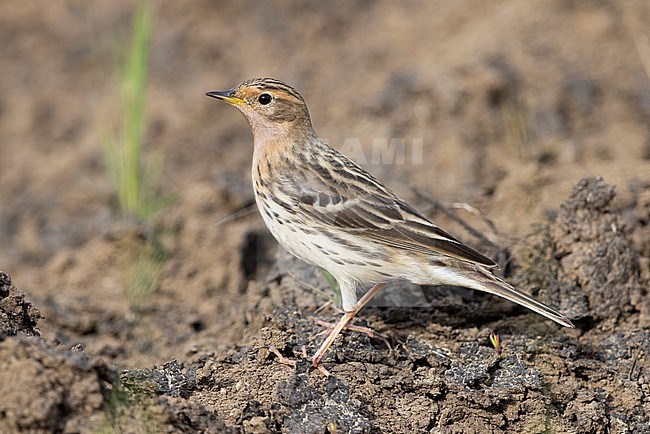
(331, 213)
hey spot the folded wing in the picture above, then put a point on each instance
(345, 197)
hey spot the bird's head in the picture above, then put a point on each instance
(273, 108)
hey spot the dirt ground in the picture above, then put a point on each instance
(536, 114)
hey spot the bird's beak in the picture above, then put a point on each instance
(225, 95)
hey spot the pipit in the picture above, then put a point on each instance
(326, 210)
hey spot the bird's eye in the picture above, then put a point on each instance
(264, 99)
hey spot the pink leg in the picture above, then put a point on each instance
(343, 322)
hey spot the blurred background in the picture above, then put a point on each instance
(501, 105)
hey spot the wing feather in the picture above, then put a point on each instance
(345, 197)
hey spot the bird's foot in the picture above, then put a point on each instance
(373, 334)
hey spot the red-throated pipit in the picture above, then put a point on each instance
(331, 213)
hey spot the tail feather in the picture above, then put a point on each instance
(505, 290)
(475, 277)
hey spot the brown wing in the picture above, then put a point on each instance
(340, 195)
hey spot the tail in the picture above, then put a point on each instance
(476, 277)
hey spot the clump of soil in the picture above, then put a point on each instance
(17, 315)
(586, 261)
(596, 255)
(43, 388)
